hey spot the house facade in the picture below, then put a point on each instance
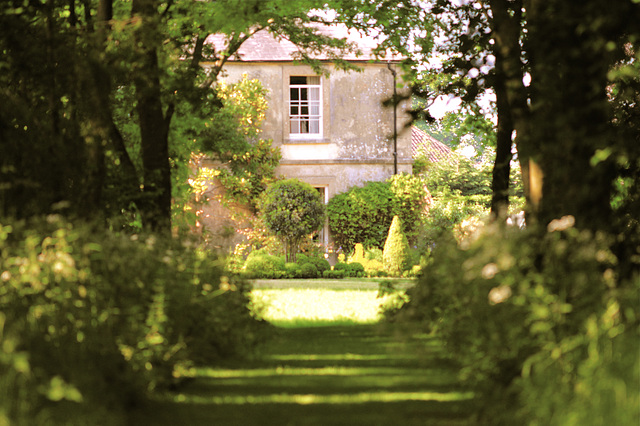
(333, 130)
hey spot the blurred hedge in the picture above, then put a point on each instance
(92, 323)
(539, 322)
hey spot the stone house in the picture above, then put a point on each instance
(333, 130)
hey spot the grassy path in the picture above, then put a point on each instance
(348, 374)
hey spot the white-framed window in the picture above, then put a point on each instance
(305, 106)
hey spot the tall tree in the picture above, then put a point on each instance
(92, 90)
(572, 52)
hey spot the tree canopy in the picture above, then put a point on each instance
(93, 90)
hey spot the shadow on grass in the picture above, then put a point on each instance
(323, 372)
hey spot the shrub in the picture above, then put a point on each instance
(350, 269)
(321, 264)
(374, 253)
(102, 320)
(333, 274)
(356, 269)
(364, 214)
(293, 270)
(371, 260)
(265, 266)
(539, 322)
(341, 266)
(396, 249)
(308, 270)
(358, 254)
(292, 210)
(375, 268)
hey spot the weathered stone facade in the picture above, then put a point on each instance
(356, 140)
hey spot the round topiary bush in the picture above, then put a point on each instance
(292, 210)
(308, 270)
(320, 264)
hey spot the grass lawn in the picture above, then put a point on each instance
(343, 284)
(328, 363)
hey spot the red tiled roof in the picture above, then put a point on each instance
(265, 47)
(435, 150)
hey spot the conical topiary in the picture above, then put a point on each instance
(396, 249)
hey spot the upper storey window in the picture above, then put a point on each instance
(305, 106)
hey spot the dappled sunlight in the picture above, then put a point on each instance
(327, 362)
(296, 371)
(340, 357)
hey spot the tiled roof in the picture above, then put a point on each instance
(265, 47)
(435, 150)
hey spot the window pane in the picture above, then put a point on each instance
(305, 109)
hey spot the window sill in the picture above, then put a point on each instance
(301, 141)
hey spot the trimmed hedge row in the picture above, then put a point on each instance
(260, 264)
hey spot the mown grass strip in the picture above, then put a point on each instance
(300, 307)
(308, 399)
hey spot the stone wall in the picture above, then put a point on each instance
(356, 145)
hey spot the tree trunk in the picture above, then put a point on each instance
(156, 207)
(502, 164)
(570, 119)
(507, 22)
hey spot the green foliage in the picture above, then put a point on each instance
(461, 190)
(293, 270)
(334, 274)
(359, 215)
(535, 318)
(353, 270)
(321, 264)
(260, 264)
(396, 249)
(292, 210)
(308, 270)
(364, 214)
(461, 176)
(447, 210)
(371, 260)
(103, 320)
(85, 100)
(230, 134)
